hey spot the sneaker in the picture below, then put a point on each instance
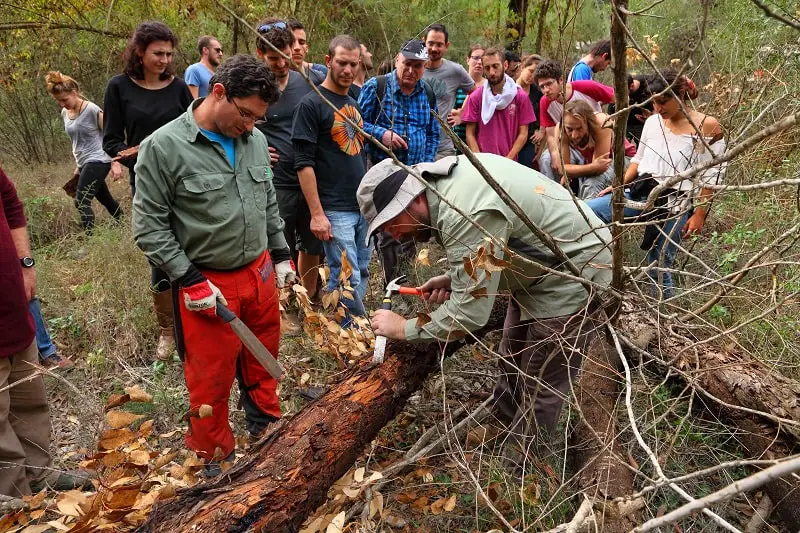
(60, 481)
(57, 363)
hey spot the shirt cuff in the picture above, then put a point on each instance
(412, 332)
(277, 241)
(177, 267)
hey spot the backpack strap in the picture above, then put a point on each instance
(380, 89)
(430, 94)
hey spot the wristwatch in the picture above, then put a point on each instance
(27, 262)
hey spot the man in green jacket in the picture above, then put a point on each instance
(205, 212)
(549, 322)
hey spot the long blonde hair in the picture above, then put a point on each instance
(58, 83)
(583, 111)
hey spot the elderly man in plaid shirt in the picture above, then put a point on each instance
(397, 111)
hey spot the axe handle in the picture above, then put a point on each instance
(225, 314)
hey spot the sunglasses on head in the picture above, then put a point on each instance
(280, 25)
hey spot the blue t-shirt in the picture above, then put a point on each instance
(224, 141)
(581, 71)
(199, 76)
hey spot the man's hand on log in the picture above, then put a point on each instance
(389, 324)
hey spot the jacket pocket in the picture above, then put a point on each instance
(262, 178)
(205, 197)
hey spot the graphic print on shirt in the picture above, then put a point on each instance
(349, 140)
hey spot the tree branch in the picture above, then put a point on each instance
(58, 26)
(775, 16)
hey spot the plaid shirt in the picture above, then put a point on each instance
(408, 115)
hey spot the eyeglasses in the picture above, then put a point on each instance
(546, 84)
(476, 58)
(218, 50)
(246, 115)
(280, 25)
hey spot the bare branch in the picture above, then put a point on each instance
(57, 26)
(749, 483)
(775, 16)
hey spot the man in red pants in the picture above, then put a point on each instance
(205, 212)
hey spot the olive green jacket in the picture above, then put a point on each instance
(192, 207)
(539, 294)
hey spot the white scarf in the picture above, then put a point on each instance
(492, 102)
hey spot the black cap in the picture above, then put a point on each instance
(414, 49)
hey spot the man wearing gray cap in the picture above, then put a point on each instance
(549, 320)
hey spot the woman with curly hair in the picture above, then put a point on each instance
(83, 121)
(669, 146)
(143, 98)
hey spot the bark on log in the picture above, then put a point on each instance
(594, 450)
(739, 380)
(288, 475)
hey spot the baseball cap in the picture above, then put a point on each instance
(386, 190)
(414, 49)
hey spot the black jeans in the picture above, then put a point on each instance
(392, 253)
(92, 184)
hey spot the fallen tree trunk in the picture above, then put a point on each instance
(288, 475)
(738, 381)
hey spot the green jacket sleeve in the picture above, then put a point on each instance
(471, 300)
(151, 208)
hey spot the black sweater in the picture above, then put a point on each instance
(131, 112)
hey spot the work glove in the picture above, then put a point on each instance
(285, 273)
(202, 298)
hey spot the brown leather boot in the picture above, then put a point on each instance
(162, 302)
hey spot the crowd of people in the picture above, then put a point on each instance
(247, 173)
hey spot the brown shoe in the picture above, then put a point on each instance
(483, 435)
(57, 363)
(162, 303)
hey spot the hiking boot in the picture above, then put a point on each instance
(214, 468)
(162, 303)
(57, 363)
(60, 481)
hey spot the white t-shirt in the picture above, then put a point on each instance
(664, 154)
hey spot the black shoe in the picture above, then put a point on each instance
(214, 468)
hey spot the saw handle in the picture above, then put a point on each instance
(225, 314)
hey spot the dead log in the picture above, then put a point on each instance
(288, 475)
(738, 380)
(594, 450)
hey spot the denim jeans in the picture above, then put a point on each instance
(349, 230)
(43, 340)
(663, 256)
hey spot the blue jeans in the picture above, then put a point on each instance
(663, 256)
(43, 340)
(349, 230)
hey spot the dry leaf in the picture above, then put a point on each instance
(121, 419)
(304, 378)
(346, 270)
(205, 411)
(336, 524)
(351, 493)
(59, 525)
(146, 428)
(438, 506)
(450, 504)
(35, 501)
(36, 528)
(422, 319)
(422, 257)
(138, 395)
(139, 457)
(114, 438)
(375, 476)
(115, 400)
(164, 460)
(358, 475)
(469, 268)
(71, 503)
(482, 292)
(376, 505)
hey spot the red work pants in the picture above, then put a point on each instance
(212, 351)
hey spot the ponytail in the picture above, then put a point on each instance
(682, 86)
(58, 83)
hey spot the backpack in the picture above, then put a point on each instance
(380, 91)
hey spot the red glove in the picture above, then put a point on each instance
(202, 298)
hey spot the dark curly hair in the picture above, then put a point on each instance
(681, 86)
(548, 69)
(146, 33)
(243, 75)
(280, 38)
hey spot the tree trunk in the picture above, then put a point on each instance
(289, 473)
(516, 23)
(540, 25)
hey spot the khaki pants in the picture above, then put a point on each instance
(540, 360)
(24, 424)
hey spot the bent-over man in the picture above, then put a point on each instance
(548, 325)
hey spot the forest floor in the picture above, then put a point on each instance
(96, 302)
